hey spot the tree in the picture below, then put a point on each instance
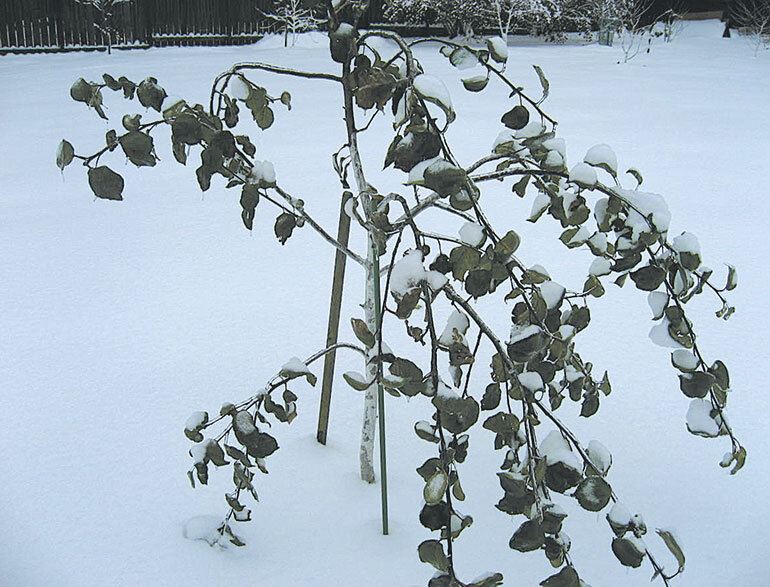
(533, 364)
(293, 18)
(104, 22)
(753, 18)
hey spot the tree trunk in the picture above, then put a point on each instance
(366, 451)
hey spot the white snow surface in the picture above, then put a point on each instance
(119, 319)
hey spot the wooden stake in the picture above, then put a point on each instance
(335, 305)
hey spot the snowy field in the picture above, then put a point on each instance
(117, 320)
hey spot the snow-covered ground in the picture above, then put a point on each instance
(117, 320)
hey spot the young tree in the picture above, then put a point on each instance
(293, 18)
(104, 22)
(534, 365)
(753, 18)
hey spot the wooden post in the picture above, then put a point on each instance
(335, 305)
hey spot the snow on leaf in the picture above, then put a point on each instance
(435, 487)
(658, 302)
(297, 368)
(455, 329)
(498, 49)
(532, 380)
(600, 266)
(556, 449)
(553, 294)
(472, 234)
(584, 175)
(659, 334)
(431, 89)
(408, 273)
(600, 457)
(699, 419)
(684, 360)
(602, 156)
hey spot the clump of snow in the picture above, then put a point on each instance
(542, 201)
(600, 457)
(408, 273)
(558, 145)
(534, 128)
(519, 332)
(435, 280)
(433, 89)
(540, 270)
(581, 236)
(204, 528)
(498, 47)
(417, 173)
(553, 159)
(684, 360)
(531, 380)
(660, 336)
(686, 242)
(295, 365)
(455, 329)
(263, 173)
(553, 294)
(650, 205)
(198, 452)
(600, 266)
(619, 515)
(658, 302)
(196, 420)
(602, 156)
(566, 331)
(556, 449)
(505, 136)
(598, 241)
(447, 393)
(699, 420)
(238, 88)
(584, 175)
(571, 373)
(472, 234)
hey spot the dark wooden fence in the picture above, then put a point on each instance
(56, 25)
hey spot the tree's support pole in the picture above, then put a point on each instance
(381, 406)
(343, 233)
